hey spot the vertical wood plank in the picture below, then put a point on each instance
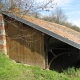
(27, 48)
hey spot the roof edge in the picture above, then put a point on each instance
(65, 40)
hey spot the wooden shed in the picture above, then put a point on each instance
(37, 42)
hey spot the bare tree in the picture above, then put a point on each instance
(29, 6)
(60, 16)
(56, 16)
(1, 4)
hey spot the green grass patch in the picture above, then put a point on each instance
(9, 70)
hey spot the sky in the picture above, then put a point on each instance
(71, 9)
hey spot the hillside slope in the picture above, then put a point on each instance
(10, 70)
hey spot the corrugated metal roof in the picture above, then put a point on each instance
(60, 32)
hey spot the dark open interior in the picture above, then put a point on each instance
(60, 55)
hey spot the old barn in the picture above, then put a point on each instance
(37, 42)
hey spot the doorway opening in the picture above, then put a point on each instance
(61, 55)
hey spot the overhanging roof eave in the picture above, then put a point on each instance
(63, 39)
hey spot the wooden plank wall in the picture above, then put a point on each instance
(25, 44)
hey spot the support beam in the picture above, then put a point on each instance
(47, 38)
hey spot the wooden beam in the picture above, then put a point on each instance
(47, 38)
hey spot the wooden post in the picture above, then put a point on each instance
(46, 55)
(2, 36)
(47, 38)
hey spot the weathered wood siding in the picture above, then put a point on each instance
(25, 44)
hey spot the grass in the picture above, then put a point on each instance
(9, 70)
